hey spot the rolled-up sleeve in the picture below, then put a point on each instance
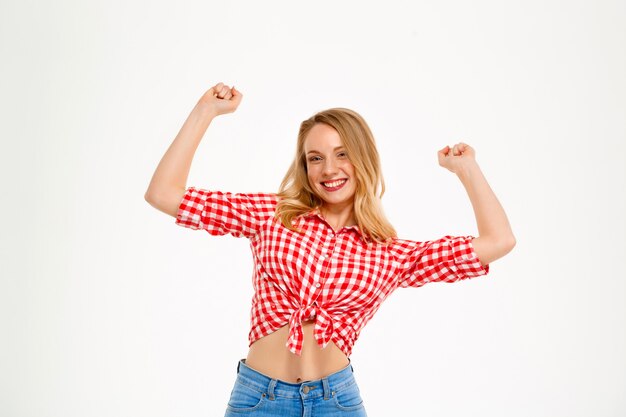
(448, 259)
(220, 213)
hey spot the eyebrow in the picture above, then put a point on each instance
(314, 151)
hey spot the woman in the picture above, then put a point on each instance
(325, 256)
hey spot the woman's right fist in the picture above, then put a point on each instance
(221, 99)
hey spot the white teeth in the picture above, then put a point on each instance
(334, 183)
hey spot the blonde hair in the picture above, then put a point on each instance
(297, 197)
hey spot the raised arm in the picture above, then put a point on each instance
(495, 235)
(169, 181)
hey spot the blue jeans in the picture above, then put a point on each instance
(258, 395)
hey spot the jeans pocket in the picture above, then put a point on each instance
(244, 398)
(348, 398)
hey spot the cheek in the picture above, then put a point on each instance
(349, 169)
(310, 173)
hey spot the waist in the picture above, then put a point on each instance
(270, 356)
(312, 388)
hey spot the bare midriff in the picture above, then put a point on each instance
(270, 356)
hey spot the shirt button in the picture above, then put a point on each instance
(318, 284)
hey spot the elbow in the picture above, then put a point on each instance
(491, 248)
(500, 247)
(167, 201)
(154, 199)
(149, 197)
(507, 243)
(513, 242)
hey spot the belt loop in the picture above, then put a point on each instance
(270, 389)
(326, 388)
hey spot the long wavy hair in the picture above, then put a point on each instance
(297, 197)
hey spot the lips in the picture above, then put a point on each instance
(334, 185)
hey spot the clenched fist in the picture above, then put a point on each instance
(457, 157)
(221, 99)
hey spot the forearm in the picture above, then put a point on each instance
(173, 169)
(169, 181)
(495, 235)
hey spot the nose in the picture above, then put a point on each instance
(330, 167)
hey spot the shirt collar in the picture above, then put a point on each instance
(315, 212)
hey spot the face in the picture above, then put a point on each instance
(330, 172)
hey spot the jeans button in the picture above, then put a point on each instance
(306, 389)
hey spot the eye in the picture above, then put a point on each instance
(342, 154)
(315, 158)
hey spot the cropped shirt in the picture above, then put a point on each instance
(338, 278)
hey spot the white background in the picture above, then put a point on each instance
(107, 308)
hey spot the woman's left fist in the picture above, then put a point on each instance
(454, 158)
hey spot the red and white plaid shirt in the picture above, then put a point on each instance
(337, 278)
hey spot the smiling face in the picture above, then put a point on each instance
(329, 170)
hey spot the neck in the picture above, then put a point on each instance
(338, 217)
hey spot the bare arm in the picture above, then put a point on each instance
(169, 180)
(495, 238)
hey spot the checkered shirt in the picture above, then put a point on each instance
(337, 278)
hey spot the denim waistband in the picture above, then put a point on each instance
(310, 389)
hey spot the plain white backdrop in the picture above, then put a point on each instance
(107, 308)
